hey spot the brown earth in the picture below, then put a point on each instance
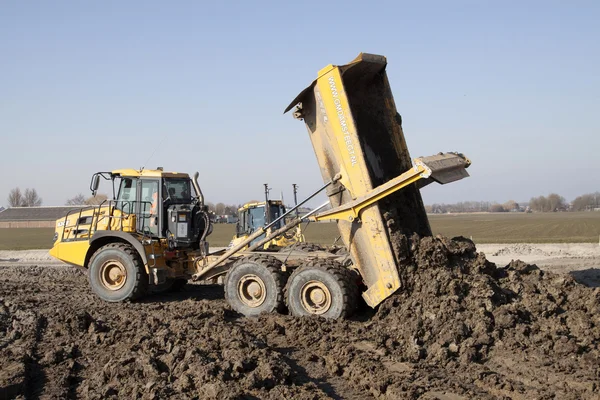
(460, 328)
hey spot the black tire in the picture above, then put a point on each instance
(334, 287)
(116, 273)
(304, 246)
(254, 285)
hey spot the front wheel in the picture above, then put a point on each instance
(323, 288)
(254, 285)
(116, 273)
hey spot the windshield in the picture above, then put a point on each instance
(257, 217)
(177, 190)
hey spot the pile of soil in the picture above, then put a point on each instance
(459, 328)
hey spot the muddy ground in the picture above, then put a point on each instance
(459, 329)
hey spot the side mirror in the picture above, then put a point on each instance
(95, 183)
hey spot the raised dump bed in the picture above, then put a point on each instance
(356, 132)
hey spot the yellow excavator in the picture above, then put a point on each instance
(155, 228)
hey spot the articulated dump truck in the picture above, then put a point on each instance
(153, 233)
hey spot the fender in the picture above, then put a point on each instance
(127, 237)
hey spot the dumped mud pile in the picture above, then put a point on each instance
(462, 328)
(464, 305)
(458, 310)
(459, 328)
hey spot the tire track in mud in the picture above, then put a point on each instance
(309, 369)
(35, 375)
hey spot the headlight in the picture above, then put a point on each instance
(55, 236)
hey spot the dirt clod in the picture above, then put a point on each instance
(460, 328)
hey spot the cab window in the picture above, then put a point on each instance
(127, 195)
(149, 206)
(276, 212)
(177, 191)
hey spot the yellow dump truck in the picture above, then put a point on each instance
(257, 214)
(154, 230)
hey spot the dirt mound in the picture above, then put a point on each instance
(457, 310)
(459, 328)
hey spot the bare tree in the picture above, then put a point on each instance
(586, 202)
(539, 204)
(511, 205)
(230, 209)
(76, 201)
(556, 202)
(15, 198)
(31, 198)
(497, 208)
(219, 208)
(211, 206)
(96, 200)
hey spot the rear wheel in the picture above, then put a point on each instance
(116, 273)
(324, 288)
(255, 285)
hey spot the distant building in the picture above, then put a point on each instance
(33, 217)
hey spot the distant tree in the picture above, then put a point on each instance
(553, 202)
(556, 202)
(96, 200)
(511, 205)
(15, 198)
(230, 209)
(76, 201)
(31, 198)
(211, 206)
(497, 208)
(586, 202)
(539, 204)
(220, 209)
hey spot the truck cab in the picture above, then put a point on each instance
(255, 215)
(148, 205)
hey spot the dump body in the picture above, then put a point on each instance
(356, 131)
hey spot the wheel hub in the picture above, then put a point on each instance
(251, 290)
(113, 275)
(315, 297)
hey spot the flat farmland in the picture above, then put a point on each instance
(26, 238)
(581, 227)
(575, 227)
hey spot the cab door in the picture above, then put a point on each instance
(148, 206)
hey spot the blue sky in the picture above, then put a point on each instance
(84, 87)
